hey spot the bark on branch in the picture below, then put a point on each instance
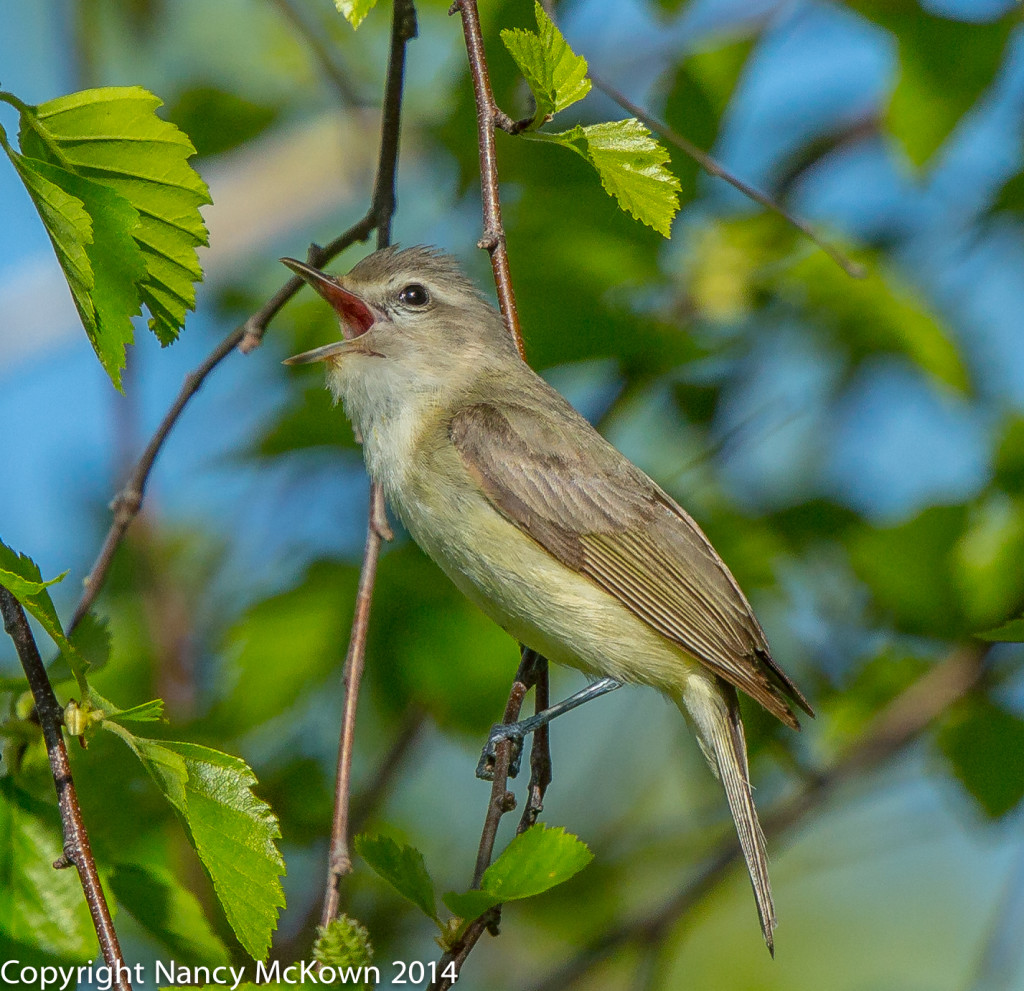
(77, 851)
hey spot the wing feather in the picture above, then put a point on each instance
(602, 517)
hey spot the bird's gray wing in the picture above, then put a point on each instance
(601, 516)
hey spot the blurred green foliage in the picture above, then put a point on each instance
(944, 69)
(217, 120)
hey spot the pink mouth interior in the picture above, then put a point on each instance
(356, 317)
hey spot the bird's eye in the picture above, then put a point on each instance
(414, 295)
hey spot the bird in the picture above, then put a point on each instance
(543, 524)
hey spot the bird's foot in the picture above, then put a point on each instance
(515, 734)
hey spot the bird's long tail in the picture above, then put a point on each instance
(715, 712)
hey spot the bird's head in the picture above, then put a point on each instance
(406, 314)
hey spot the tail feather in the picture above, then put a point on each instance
(720, 733)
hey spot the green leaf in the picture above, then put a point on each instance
(231, 829)
(92, 231)
(402, 867)
(355, 10)
(631, 165)
(92, 639)
(989, 560)
(218, 120)
(670, 6)
(168, 912)
(39, 907)
(981, 741)
(869, 689)
(1012, 632)
(436, 638)
(535, 861)
(309, 420)
(113, 138)
(21, 577)
(739, 262)
(147, 712)
(301, 792)
(1009, 456)
(557, 76)
(1010, 196)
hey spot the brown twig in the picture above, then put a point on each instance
(719, 171)
(895, 727)
(540, 752)
(365, 804)
(128, 501)
(403, 29)
(532, 671)
(339, 862)
(489, 117)
(76, 840)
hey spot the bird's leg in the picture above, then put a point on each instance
(516, 732)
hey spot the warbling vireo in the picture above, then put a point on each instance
(537, 519)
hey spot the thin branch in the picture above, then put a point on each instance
(717, 170)
(365, 803)
(403, 30)
(540, 753)
(488, 118)
(128, 501)
(76, 840)
(898, 725)
(533, 670)
(339, 862)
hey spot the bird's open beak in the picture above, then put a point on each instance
(335, 349)
(355, 314)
